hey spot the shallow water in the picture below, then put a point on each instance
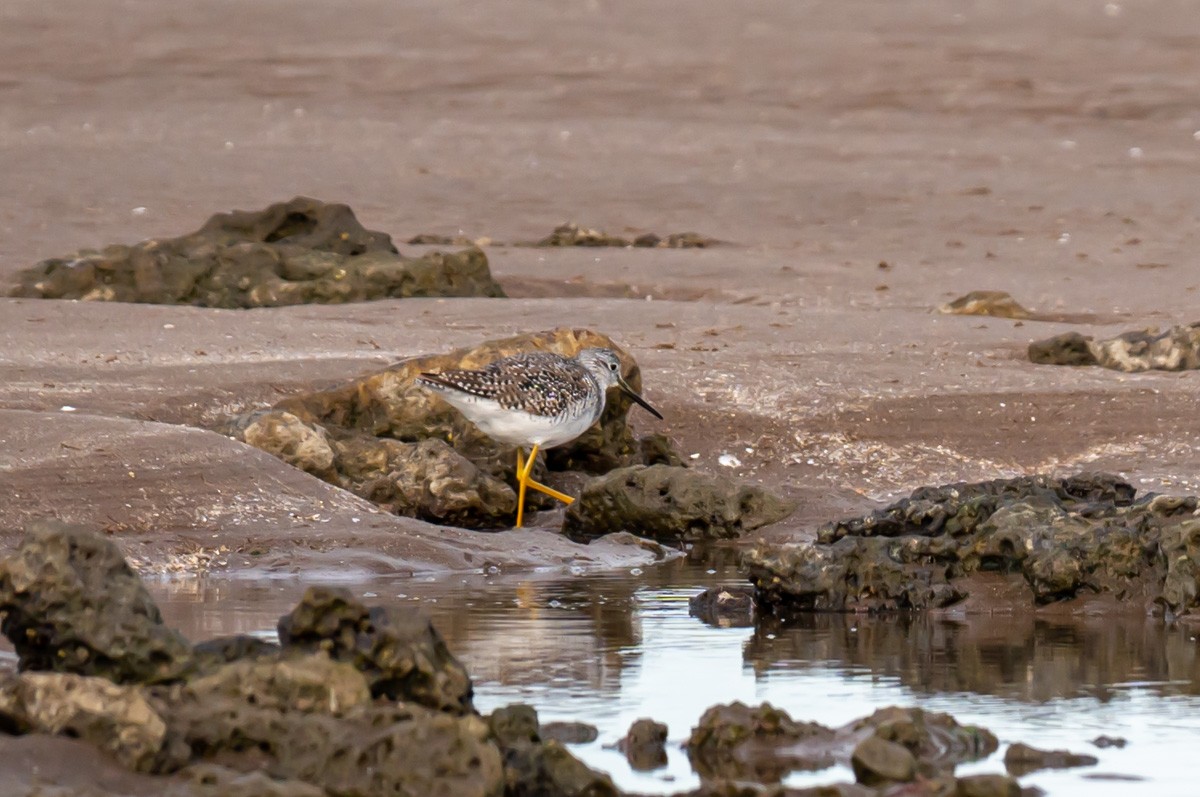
(609, 649)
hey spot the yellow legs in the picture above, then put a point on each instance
(523, 470)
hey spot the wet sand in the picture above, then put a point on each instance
(867, 162)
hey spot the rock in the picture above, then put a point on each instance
(645, 745)
(304, 683)
(1084, 534)
(1070, 348)
(1176, 349)
(536, 768)
(116, 718)
(398, 650)
(936, 740)
(393, 442)
(670, 504)
(570, 234)
(994, 303)
(987, 786)
(301, 445)
(302, 251)
(223, 650)
(568, 732)
(212, 780)
(876, 762)
(724, 607)
(1021, 759)
(426, 239)
(1102, 741)
(760, 744)
(71, 604)
(427, 480)
(357, 748)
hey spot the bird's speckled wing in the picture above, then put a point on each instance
(539, 383)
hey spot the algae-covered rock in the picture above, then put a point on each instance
(71, 604)
(1021, 759)
(724, 607)
(935, 740)
(537, 768)
(398, 650)
(1175, 349)
(297, 252)
(877, 762)
(391, 441)
(116, 718)
(400, 748)
(670, 504)
(645, 745)
(760, 744)
(1085, 534)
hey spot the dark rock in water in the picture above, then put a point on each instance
(297, 252)
(760, 744)
(391, 441)
(398, 650)
(876, 762)
(724, 607)
(1176, 349)
(1021, 759)
(1103, 741)
(223, 650)
(657, 449)
(114, 717)
(537, 768)
(1086, 533)
(670, 504)
(937, 741)
(991, 786)
(71, 604)
(568, 732)
(645, 745)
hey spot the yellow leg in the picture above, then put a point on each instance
(541, 488)
(521, 478)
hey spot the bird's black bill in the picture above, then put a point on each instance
(628, 391)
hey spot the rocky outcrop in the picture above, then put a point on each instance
(1021, 759)
(397, 650)
(670, 504)
(298, 252)
(391, 441)
(1175, 349)
(724, 607)
(1085, 534)
(763, 744)
(537, 768)
(645, 745)
(70, 603)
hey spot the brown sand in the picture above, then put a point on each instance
(868, 160)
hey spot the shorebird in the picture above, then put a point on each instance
(536, 400)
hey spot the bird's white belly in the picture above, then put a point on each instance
(521, 428)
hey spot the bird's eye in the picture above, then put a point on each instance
(612, 366)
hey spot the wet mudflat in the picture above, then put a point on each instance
(609, 649)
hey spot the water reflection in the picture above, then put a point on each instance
(611, 649)
(1019, 658)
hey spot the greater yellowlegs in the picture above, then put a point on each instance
(537, 399)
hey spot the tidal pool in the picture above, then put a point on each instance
(608, 649)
